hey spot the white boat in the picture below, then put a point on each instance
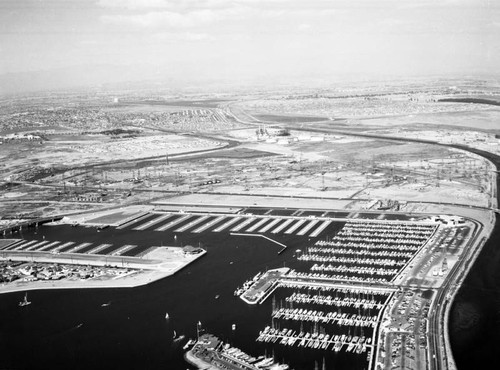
(25, 301)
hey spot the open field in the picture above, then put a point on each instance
(354, 107)
(66, 163)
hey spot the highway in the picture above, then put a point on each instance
(437, 354)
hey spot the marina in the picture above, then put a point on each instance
(315, 182)
(333, 298)
(209, 350)
(195, 223)
(338, 318)
(328, 300)
(153, 222)
(288, 337)
(226, 224)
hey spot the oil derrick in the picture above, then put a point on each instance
(322, 171)
(444, 266)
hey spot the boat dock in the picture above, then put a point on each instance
(355, 344)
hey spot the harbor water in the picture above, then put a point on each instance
(127, 328)
(475, 315)
(107, 328)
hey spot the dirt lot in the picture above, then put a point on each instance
(300, 163)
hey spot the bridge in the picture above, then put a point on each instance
(28, 223)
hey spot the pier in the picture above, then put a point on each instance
(265, 237)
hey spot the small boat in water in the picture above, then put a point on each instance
(25, 301)
(106, 304)
(177, 339)
(102, 227)
(189, 343)
(167, 316)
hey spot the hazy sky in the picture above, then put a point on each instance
(222, 38)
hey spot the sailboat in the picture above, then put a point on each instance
(25, 301)
(177, 339)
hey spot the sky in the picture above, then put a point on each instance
(245, 39)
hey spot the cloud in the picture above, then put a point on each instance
(201, 17)
(89, 42)
(166, 18)
(285, 4)
(179, 4)
(431, 4)
(186, 36)
(134, 4)
(196, 18)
